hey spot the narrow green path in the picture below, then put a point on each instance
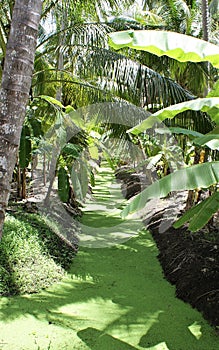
(102, 225)
(114, 298)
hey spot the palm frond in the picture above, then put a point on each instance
(120, 112)
(77, 35)
(130, 80)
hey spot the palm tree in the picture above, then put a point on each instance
(15, 87)
(74, 59)
(205, 20)
(92, 73)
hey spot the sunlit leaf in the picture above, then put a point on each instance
(209, 105)
(69, 109)
(51, 100)
(181, 47)
(93, 151)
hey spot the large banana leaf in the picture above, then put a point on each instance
(209, 105)
(190, 133)
(201, 175)
(181, 47)
(210, 140)
(199, 215)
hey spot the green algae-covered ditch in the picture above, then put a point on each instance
(113, 298)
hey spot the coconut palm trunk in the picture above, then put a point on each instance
(15, 87)
(205, 20)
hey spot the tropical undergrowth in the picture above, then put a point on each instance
(32, 257)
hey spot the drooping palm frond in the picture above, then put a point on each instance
(88, 59)
(130, 80)
(112, 120)
(116, 112)
(79, 35)
(107, 78)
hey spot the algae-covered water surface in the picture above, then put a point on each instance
(113, 298)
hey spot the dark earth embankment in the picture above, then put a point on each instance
(190, 261)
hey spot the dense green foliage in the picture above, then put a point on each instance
(31, 256)
(75, 68)
(114, 298)
(181, 50)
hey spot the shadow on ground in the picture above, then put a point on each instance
(115, 298)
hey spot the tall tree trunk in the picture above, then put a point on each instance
(15, 87)
(205, 20)
(205, 36)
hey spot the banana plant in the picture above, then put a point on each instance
(182, 48)
(200, 175)
(199, 215)
(209, 105)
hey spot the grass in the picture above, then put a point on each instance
(31, 256)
